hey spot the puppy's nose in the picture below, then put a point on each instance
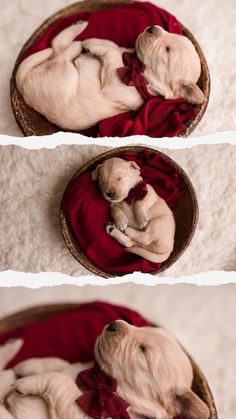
(112, 327)
(110, 194)
(151, 29)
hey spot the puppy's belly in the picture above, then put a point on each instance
(68, 95)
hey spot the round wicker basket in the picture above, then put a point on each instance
(35, 314)
(32, 123)
(185, 212)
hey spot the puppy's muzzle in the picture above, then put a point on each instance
(150, 29)
(118, 327)
(112, 327)
(110, 194)
(155, 30)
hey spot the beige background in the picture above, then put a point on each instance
(202, 318)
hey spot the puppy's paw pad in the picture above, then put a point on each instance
(110, 226)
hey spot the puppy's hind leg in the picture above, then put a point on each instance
(67, 36)
(27, 65)
(113, 231)
(57, 389)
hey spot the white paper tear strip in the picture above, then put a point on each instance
(52, 141)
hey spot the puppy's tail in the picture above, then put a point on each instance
(29, 64)
(151, 257)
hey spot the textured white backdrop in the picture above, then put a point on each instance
(211, 21)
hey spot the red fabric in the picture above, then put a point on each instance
(70, 335)
(157, 117)
(99, 398)
(87, 212)
(137, 193)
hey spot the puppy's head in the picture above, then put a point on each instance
(172, 64)
(116, 177)
(153, 373)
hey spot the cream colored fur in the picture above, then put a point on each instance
(147, 226)
(76, 90)
(160, 387)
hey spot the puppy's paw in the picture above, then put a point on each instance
(22, 386)
(80, 26)
(86, 46)
(142, 222)
(121, 223)
(110, 227)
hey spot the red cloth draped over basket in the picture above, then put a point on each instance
(70, 335)
(157, 117)
(87, 212)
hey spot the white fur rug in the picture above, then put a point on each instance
(202, 318)
(33, 181)
(213, 26)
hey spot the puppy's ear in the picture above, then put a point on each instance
(188, 91)
(184, 402)
(96, 172)
(134, 165)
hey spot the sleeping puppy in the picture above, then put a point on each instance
(160, 387)
(76, 90)
(143, 222)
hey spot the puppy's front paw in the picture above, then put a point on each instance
(21, 387)
(121, 223)
(142, 221)
(110, 227)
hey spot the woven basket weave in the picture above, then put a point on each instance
(32, 123)
(32, 315)
(185, 212)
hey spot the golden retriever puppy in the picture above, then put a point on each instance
(152, 372)
(143, 222)
(76, 90)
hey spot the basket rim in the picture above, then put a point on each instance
(23, 317)
(30, 130)
(69, 239)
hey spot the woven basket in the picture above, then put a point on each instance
(32, 123)
(185, 212)
(31, 315)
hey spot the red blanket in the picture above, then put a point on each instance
(87, 212)
(70, 335)
(157, 117)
